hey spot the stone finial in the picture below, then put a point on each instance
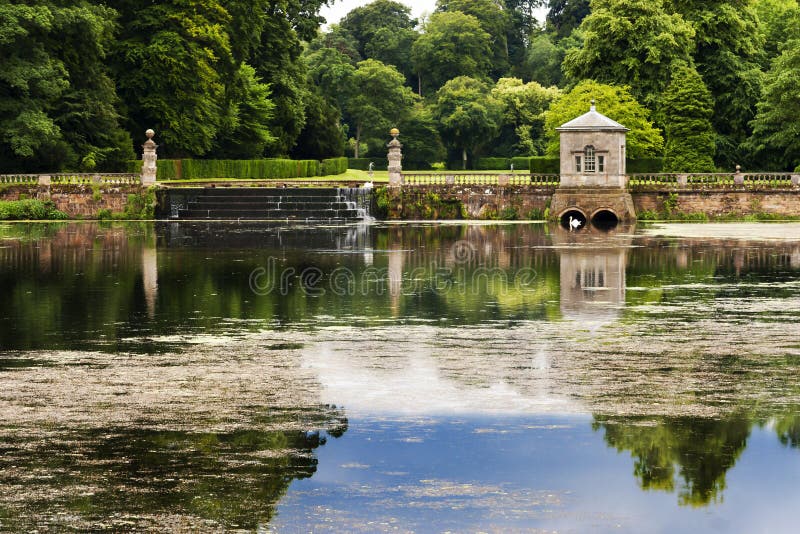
(592, 107)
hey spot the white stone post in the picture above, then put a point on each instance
(738, 177)
(395, 160)
(149, 158)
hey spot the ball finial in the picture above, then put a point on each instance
(150, 133)
(394, 132)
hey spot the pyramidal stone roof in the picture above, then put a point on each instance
(592, 121)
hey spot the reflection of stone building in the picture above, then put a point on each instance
(592, 274)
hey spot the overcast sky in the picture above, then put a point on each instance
(341, 7)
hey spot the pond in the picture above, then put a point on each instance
(404, 377)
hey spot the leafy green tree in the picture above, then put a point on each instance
(779, 23)
(545, 57)
(422, 144)
(564, 16)
(775, 141)
(378, 100)
(322, 135)
(338, 39)
(58, 105)
(468, 115)
(727, 48)
(617, 103)
(384, 30)
(454, 44)
(331, 72)
(171, 64)
(246, 134)
(276, 59)
(522, 23)
(494, 20)
(524, 104)
(686, 110)
(632, 43)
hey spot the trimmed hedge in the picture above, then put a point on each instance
(545, 165)
(333, 166)
(644, 165)
(362, 164)
(493, 164)
(242, 169)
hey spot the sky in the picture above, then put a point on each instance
(340, 8)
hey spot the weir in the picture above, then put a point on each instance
(264, 203)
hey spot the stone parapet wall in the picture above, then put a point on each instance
(78, 201)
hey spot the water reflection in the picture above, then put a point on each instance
(146, 349)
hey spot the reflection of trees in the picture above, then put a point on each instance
(687, 454)
(209, 480)
(787, 427)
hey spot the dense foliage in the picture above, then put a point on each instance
(81, 80)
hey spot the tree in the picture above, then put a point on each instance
(727, 48)
(776, 129)
(171, 65)
(632, 43)
(384, 30)
(322, 135)
(523, 104)
(338, 39)
(522, 24)
(468, 116)
(545, 57)
(58, 105)
(330, 72)
(422, 144)
(246, 134)
(686, 109)
(617, 103)
(564, 16)
(454, 44)
(378, 100)
(779, 23)
(494, 20)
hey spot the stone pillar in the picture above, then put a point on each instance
(149, 158)
(796, 180)
(395, 159)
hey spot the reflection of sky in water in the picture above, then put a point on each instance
(551, 473)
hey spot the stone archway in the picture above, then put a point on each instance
(605, 219)
(571, 214)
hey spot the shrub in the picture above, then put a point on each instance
(30, 210)
(333, 166)
(241, 169)
(491, 164)
(545, 165)
(644, 165)
(521, 163)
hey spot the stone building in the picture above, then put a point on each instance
(593, 181)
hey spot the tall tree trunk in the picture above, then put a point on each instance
(464, 159)
(358, 141)
(419, 84)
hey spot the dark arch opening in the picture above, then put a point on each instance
(605, 220)
(569, 218)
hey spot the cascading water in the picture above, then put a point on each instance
(359, 199)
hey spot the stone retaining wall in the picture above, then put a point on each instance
(722, 203)
(78, 201)
(492, 202)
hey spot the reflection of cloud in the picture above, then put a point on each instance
(417, 386)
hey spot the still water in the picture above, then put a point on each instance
(399, 377)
